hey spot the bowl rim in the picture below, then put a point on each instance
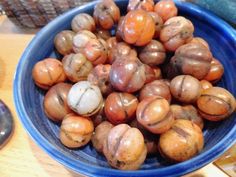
(86, 169)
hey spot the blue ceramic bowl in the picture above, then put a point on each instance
(28, 99)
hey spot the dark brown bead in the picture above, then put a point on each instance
(119, 29)
(99, 117)
(120, 107)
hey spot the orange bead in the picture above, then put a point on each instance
(120, 107)
(48, 72)
(166, 9)
(199, 40)
(205, 84)
(76, 131)
(138, 28)
(183, 141)
(154, 114)
(216, 71)
(216, 104)
(147, 5)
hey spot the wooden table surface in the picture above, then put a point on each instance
(21, 157)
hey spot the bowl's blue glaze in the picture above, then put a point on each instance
(28, 99)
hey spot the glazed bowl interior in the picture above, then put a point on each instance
(28, 99)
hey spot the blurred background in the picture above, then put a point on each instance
(37, 13)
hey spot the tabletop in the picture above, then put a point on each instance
(21, 156)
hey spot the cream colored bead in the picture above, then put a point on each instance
(85, 98)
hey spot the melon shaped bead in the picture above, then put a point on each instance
(64, 42)
(216, 71)
(100, 134)
(96, 51)
(100, 76)
(127, 75)
(85, 98)
(147, 5)
(120, 107)
(153, 53)
(76, 67)
(175, 32)
(166, 9)
(193, 59)
(216, 104)
(55, 102)
(48, 72)
(124, 148)
(155, 88)
(106, 14)
(76, 131)
(154, 114)
(123, 51)
(183, 141)
(83, 21)
(81, 39)
(199, 40)
(185, 88)
(158, 24)
(137, 28)
(187, 112)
